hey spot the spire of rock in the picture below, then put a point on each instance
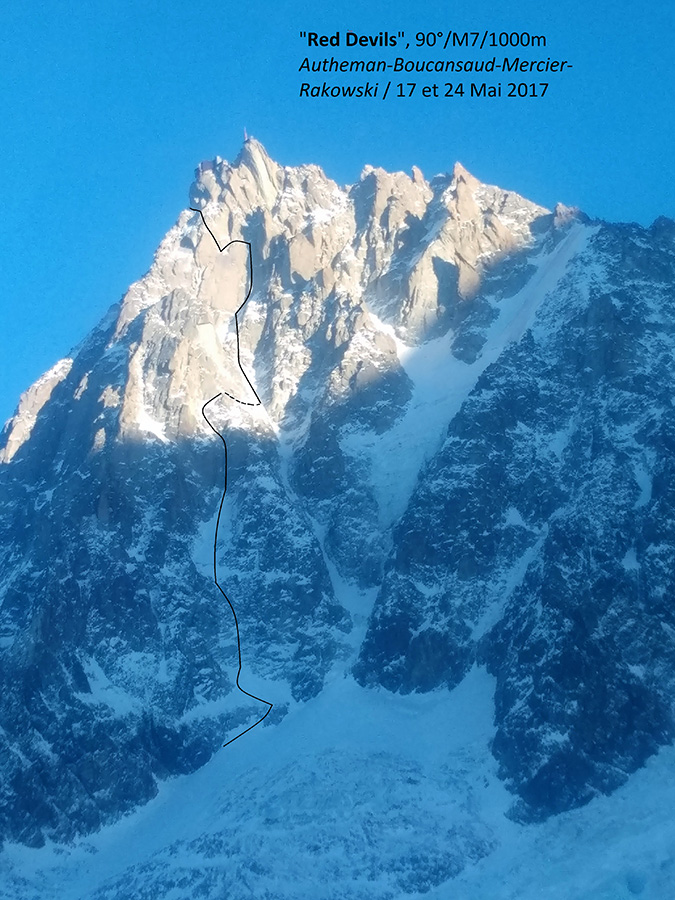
(461, 174)
(265, 171)
(563, 215)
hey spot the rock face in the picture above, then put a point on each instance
(466, 414)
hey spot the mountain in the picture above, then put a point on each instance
(447, 535)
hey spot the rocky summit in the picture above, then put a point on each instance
(448, 534)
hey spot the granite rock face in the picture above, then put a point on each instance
(466, 413)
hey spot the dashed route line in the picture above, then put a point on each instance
(222, 499)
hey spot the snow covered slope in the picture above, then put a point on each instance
(355, 797)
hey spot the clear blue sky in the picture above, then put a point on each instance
(106, 109)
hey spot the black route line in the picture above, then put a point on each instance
(222, 499)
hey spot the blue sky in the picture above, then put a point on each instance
(106, 109)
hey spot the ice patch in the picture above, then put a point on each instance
(149, 425)
(630, 562)
(644, 480)
(104, 691)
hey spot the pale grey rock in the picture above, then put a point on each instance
(17, 430)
